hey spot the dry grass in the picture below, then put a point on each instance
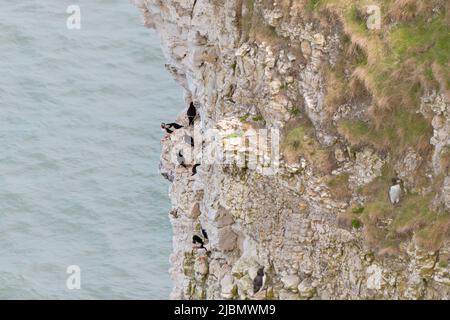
(445, 160)
(442, 76)
(433, 236)
(344, 220)
(337, 90)
(363, 76)
(390, 250)
(377, 210)
(408, 10)
(338, 186)
(413, 214)
(372, 235)
(389, 69)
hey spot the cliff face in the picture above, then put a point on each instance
(317, 217)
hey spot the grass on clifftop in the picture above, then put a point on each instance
(386, 72)
(405, 59)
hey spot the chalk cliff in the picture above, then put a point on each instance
(348, 117)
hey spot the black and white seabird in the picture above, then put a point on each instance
(189, 140)
(180, 159)
(258, 281)
(197, 241)
(205, 235)
(395, 191)
(191, 113)
(194, 169)
(170, 127)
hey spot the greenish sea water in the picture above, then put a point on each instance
(79, 152)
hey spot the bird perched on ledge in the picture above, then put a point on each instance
(191, 113)
(395, 191)
(170, 127)
(189, 140)
(205, 235)
(258, 281)
(198, 242)
(180, 159)
(194, 169)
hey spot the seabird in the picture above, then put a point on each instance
(395, 191)
(170, 127)
(258, 281)
(205, 235)
(189, 140)
(191, 113)
(198, 242)
(194, 169)
(180, 159)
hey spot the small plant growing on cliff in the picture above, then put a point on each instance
(233, 66)
(358, 210)
(233, 135)
(295, 111)
(356, 223)
(244, 118)
(312, 5)
(258, 118)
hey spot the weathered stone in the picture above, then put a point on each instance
(291, 282)
(306, 290)
(374, 279)
(285, 220)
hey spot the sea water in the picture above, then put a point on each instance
(79, 150)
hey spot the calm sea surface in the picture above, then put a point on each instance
(79, 152)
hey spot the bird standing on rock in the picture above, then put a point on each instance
(180, 159)
(198, 242)
(395, 191)
(191, 113)
(258, 281)
(194, 169)
(189, 140)
(205, 235)
(170, 127)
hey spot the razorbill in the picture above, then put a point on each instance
(194, 169)
(170, 127)
(180, 159)
(191, 113)
(258, 281)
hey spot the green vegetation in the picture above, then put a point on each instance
(258, 118)
(233, 135)
(432, 236)
(398, 132)
(295, 111)
(398, 64)
(233, 67)
(388, 71)
(299, 141)
(424, 41)
(358, 210)
(413, 213)
(244, 118)
(311, 5)
(356, 223)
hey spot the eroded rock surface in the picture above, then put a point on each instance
(285, 222)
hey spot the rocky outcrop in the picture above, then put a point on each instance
(280, 212)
